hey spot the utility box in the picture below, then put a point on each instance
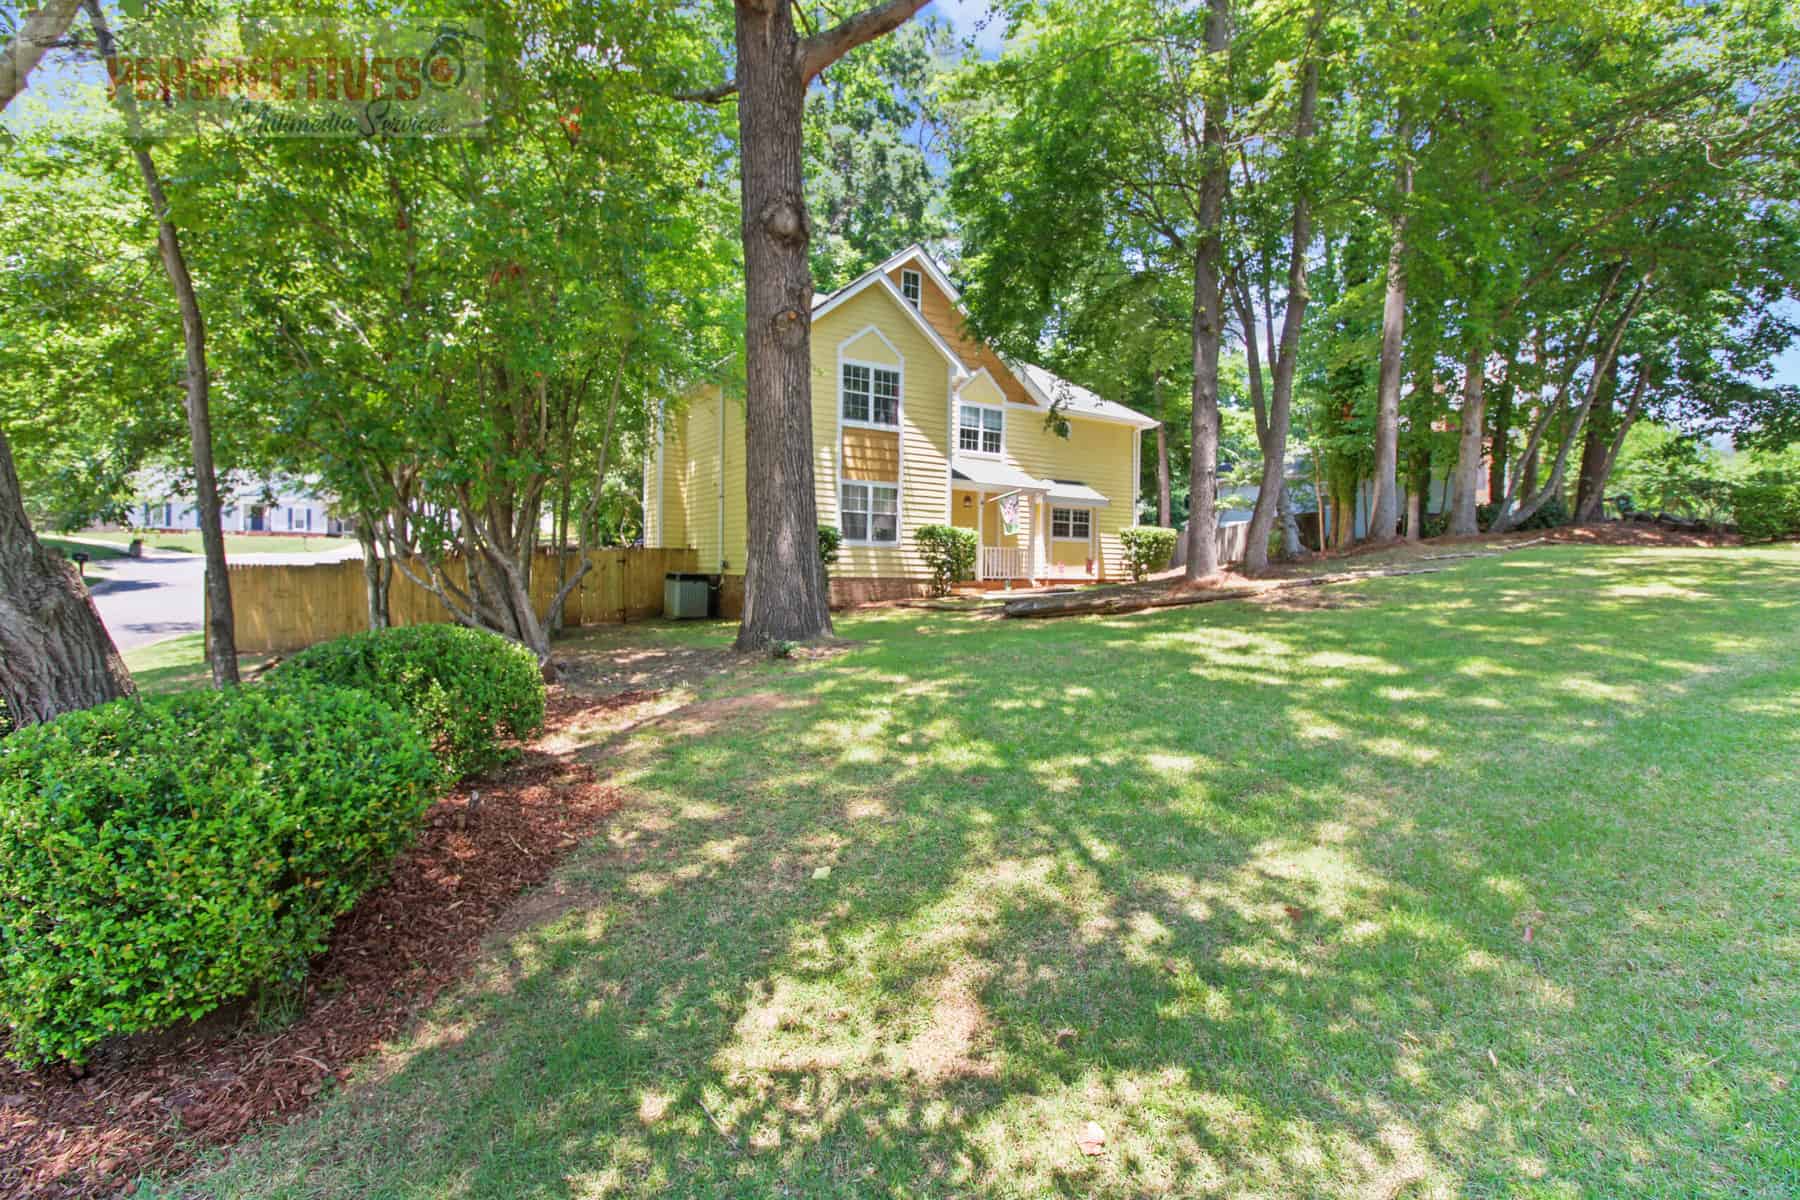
(685, 595)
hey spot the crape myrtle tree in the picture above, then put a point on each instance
(55, 655)
(462, 337)
(773, 66)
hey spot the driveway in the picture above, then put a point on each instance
(144, 600)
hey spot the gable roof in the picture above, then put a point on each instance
(918, 251)
(876, 277)
(1077, 401)
(1042, 385)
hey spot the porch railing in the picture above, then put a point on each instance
(1002, 562)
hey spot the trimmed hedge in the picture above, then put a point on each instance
(1148, 548)
(468, 690)
(161, 857)
(950, 553)
(1766, 510)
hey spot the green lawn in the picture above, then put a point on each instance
(235, 543)
(97, 554)
(176, 664)
(1479, 884)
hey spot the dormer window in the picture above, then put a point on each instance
(980, 428)
(910, 287)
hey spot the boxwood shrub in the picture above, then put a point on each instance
(470, 692)
(161, 857)
(1148, 549)
(950, 553)
(1767, 509)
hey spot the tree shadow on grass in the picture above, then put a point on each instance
(1248, 888)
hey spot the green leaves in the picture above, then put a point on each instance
(469, 692)
(161, 857)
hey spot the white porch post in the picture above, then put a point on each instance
(980, 526)
(1035, 510)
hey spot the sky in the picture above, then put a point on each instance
(970, 18)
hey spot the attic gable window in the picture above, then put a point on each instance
(910, 287)
(871, 395)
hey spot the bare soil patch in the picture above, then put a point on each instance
(154, 1103)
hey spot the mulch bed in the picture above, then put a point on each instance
(155, 1103)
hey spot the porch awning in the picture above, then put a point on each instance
(993, 476)
(1072, 493)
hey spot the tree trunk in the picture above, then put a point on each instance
(37, 33)
(1467, 474)
(1610, 457)
(378, 573)
(784, 596)
(1164, 508)
(221, 629)
(1500, 443)
(1384, 504)
(55, 655)
(1273, 492)
(1594, 445)
(1515, 517)
(1291, 546)
(1209, 321)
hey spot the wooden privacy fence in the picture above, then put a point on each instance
(279, 607)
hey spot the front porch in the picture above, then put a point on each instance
(1017, 545)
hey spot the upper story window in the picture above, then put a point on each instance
(871, 395)
(979, 428)
(910, 287)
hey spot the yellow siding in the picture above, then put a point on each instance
(961, 515)
(872, 454)
(736, 491)
(982, 390)
(924, 427)
(702, 475)
(672, 529)
(1098, 453)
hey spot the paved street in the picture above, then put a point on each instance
(162, 595)
(144, 600)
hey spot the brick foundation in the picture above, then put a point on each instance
(845, 593)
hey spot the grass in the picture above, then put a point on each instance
(1480, 884)
(235, 543)
(176, 664)
(97, 555)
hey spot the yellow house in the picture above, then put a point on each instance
(914, 423)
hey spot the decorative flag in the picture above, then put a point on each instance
(1009, 514)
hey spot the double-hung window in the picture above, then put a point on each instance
(871, 395)
(909, 287)
(1071, 524)
(979, 429)
(870, 512)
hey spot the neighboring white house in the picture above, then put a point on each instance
(274, 505)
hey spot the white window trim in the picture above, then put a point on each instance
(1071, 510)
(871, 484)
(917, 299)
(958, 428)
(899, 372)
(898, 366)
